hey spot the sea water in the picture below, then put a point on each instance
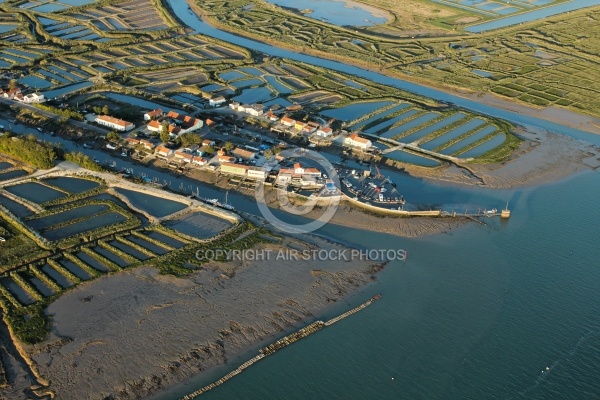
(510, 310)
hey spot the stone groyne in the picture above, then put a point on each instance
(279, 344)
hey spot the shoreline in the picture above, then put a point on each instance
(222, 312)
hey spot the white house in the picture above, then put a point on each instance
(10, 94)
(324, 132)
(34, 98)
(256, 173)
(242, 153)
(162, 151)
(216, 101)
(185, 122)
(114, 123)
(148, 145)
(356, 141)
(298, 171)
(248, 171)
(183, 156)
(156, 126)
(271, 116)
(283, 179)
(252, 109)
(287, 121)
(200, 161)
(154, 114)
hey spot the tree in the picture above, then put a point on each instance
(229, 146)
(97, 110)
(105, 110)
(209, 150)
(164, 132)
(113, 136)
(268, 153)
(190, 138)
(13, 84)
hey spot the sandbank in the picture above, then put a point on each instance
(137, 332)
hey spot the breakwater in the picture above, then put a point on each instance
(279, 344)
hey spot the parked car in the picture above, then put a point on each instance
(39, 129)
(2, 239)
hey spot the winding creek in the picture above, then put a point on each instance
(187, 16)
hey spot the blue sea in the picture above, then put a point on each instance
(505, 311)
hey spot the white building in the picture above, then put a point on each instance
(183, 156)
(162, 151)
(200, 161)
(34, 98)
(356, 141)
(154, 114)
(217, 101)
(247, 171)
(298, 171)
(114, 123)
(252, 109)
(324, 132)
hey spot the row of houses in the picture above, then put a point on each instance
(16, 95)
(297, 175)
(180, 155)
(307, 128)
(133, 142)
(178, 123)
(252, 109)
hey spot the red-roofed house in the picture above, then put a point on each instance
(162, 151)
(154, 114)
(324, 131)
(155, 126)
(132, 141)
(272, 117)
(200, 161)
(287, 121)
(356, 141)
(226, 159)
(310, 127)
(243, 154)
(148, 145)
(298, 171)
(10, 94)
(188, 124)
(184, 157)
(114, 123)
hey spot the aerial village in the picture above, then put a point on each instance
(182, 142)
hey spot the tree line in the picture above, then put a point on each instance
(40, 154)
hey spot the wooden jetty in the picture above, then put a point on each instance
(279, 344)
